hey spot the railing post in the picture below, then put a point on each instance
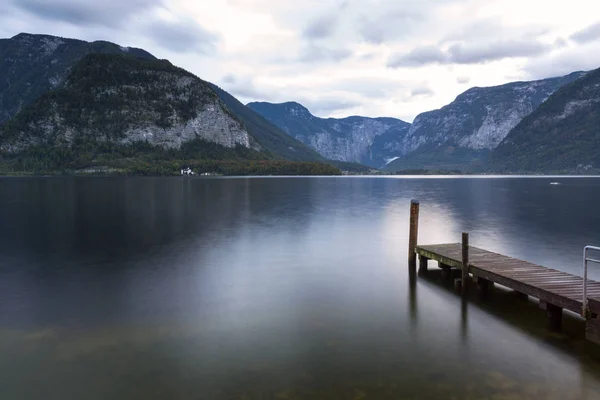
(584, 300)
(465, 262)
(413, 234)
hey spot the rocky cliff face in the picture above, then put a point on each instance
(563, 134)
(122, 100)
(371, 141)
(31, 65)
(475, 123)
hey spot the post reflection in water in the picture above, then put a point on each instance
(281, 288)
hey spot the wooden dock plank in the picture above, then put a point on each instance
(546, 284)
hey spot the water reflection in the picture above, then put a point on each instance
(279, 288)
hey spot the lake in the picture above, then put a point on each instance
(282, 288)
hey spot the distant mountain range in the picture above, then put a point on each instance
(460, 135)
(68, 104)
(65, 103)
(370, 141)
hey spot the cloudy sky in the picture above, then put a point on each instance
(340, 57)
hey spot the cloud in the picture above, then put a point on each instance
(418, 56)
(243, 86)
(327, 105)
(565, 62)
(474, 53)
(494, 29)
(182, 35)
(392, 25)
(109, 13)
(462, 80)
(321, 27)
(588, 34)
(324, 26)
(370, 87)
(313, 53)
(421, 91)
(492, 51)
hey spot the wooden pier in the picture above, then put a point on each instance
(555, 290)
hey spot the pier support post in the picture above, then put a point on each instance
(592, 329)
(413, 234)
(446, 271)
(483, 285)
(423, 264)
(554, 314)
(465, 262)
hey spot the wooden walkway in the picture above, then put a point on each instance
(556, 290)
(552, 286)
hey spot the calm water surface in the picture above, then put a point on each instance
(281, 288)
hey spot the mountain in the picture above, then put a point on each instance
(462, 133)
(270, 137)
(31, 65)
(563, 134)
(65, 93)
(122, 100)
(370, 141)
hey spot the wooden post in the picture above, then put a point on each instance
(554, 314)
(465, 261)
(423, 264)
(446, 271)
(412, 234)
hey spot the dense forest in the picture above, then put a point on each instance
(142, 158)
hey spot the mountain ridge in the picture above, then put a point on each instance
(33, 64)
(350, 139)
(475, 122)
(563, 134)
(46, 62)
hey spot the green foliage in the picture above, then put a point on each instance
(350, 167)
(143, 158)
(562, 135)
(427, 172)
(235, 168)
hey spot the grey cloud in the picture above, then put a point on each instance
(324, 26)
(391, 25)
(324, 106)
(417, 57)
(314, 53)
(493, 29)
(461, 53)
(182, 35)
(463, 80)
(370, 87)
(560, 43)
(85, 12)
(229, 78)
(475, 54)
(588, 34)
(421, 91)
(244, 87)
(320, 28)
(565, 62)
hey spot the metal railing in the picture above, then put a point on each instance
(584, 311)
